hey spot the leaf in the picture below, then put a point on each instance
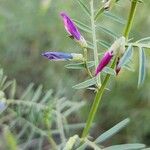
(10, 139)
(109, 70)
(84, 7)
(90, 45)
(114, 130)
(104, 44)
(142, 72)
(79, 65)
(106, 30)
(27, 91)
(129, 67)
(99, 12)
(126, 57)
(12, 90)
(85, 84)
(136, 146)
(144, 40)
(37, 93)
(83, 26)
(114, 17)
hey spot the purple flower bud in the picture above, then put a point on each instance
(104, 61)
(70, 26)
(62, 56)
(72, 29)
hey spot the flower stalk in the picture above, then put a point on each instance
(94, 40)
(100, 91)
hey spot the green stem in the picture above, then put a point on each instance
(100, 92)
(85, 62)
(94, 40)
(130, 18)
(96, 103)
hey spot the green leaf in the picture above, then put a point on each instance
(84, 7)
(79, 65)
(106, 30)
(27, 91)
(109, 70)
(12, 90)
(126, 57)
(10, 139)
(90, 45)
(114, 130)
(83, 26)
(37, 93)
(136, 146)
(144, 40)
(142, 61)
(114, 17)
(104, 44)
(85, 84)
(99, 12)
(129, 67)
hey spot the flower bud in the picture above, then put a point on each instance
(62, 56)
(104, 61)
(73, 30)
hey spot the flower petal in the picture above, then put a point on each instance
(57, 56)
(104, 61)
(70, 26)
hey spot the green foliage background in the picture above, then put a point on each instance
(27, 29)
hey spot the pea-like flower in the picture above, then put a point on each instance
(73, 30)
(104, 61)
(117, 49)
(62, 56)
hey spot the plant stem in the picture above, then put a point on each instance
(100, 92)
(85, 62)
(130, 18)
(96, 103)
(94, 39)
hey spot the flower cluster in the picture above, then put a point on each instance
(116, 50)
(75, 34)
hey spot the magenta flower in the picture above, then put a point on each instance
(104, 61)
(117, 49)
(62, 56)
(72, 29)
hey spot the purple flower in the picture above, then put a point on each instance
(117, 49)
(62, 56)
(104, 61)
(72, 29)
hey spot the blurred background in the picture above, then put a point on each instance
(27, 28)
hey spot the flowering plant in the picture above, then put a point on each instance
(41, 119)
(119, 54)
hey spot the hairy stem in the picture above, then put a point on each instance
(100, 92)
(94, 39)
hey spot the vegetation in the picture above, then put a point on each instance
(32, 117)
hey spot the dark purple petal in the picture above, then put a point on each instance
(57, 56)
(70, 26)
(117, 67)
(104, 61)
